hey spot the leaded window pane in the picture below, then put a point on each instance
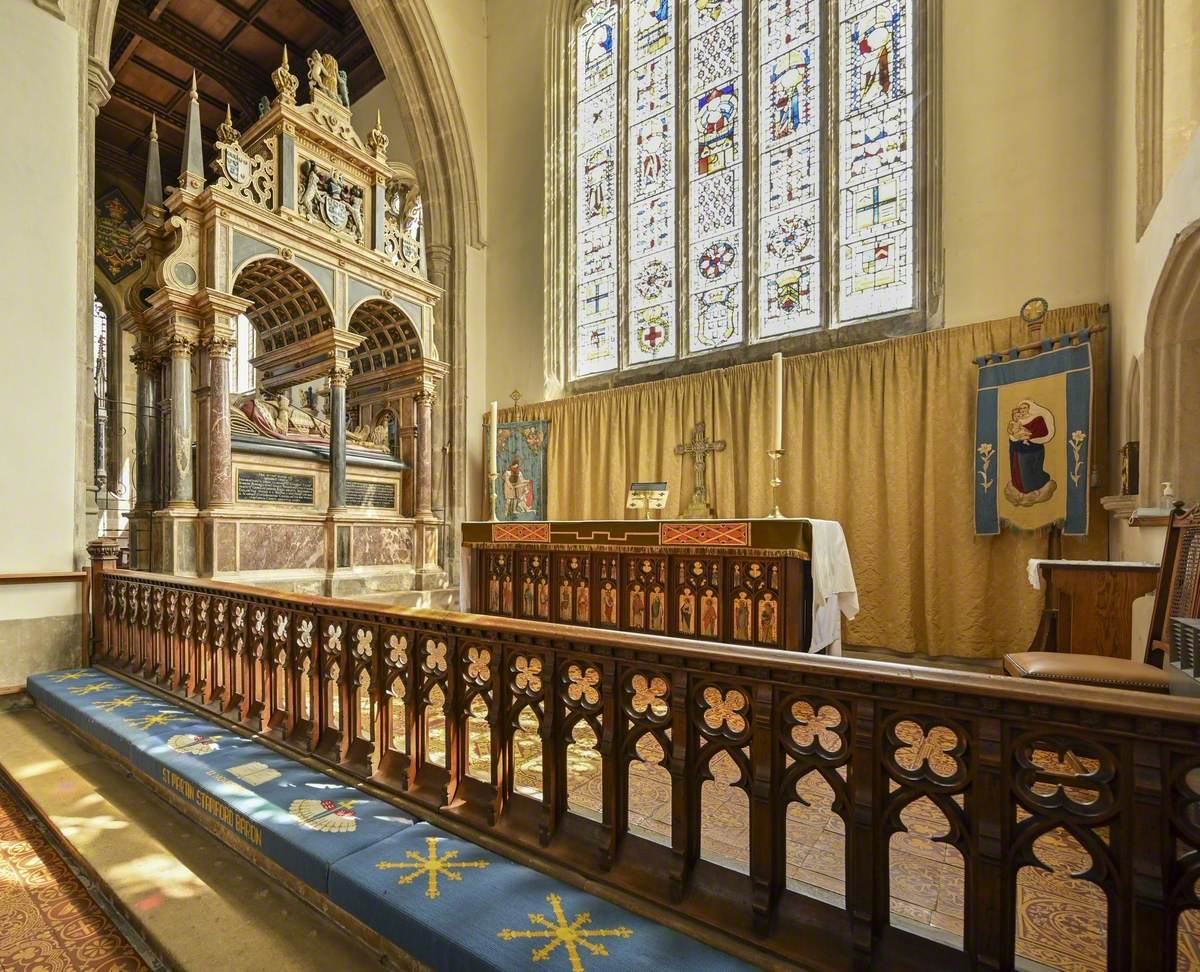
(875, 138)
(596, 125)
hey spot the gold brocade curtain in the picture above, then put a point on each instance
(879, 437)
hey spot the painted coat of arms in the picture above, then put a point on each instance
(521, 464)
(116, 220)
(1033, 438)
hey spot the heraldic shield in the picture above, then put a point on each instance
(1033, 428)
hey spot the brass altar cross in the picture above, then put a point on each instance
(699, 447)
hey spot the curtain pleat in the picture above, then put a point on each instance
(879, 437)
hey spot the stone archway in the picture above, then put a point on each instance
(405, 41)
(1170, 417)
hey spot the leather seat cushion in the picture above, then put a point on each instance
(1053, 666)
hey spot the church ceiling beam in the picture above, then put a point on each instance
(240, 77)
(116, 161)
(249, 18)
(166, 116)
(183, 84)
(122, 50)
(324, 12)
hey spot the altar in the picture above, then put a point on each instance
(739, 581)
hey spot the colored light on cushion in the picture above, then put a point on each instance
(457, 907)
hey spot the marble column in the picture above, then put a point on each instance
(220, 442)
(424, 400)
(337, 436)
(144, 486)
(182, 477)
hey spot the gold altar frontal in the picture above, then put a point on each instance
(741, 581)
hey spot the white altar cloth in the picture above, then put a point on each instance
(834, 591)
(1034, 574)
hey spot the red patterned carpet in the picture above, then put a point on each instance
(48, 921)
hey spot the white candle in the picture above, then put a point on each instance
(777, 361)
(492, 438)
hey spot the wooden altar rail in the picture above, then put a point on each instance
(1012, 759)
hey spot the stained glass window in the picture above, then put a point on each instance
(651, 160)
(597, 46)
(742, 171)
(876, 165)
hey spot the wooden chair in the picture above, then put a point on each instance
(1177, 595)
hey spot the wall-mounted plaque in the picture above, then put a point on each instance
(378, 496)
(259, 486)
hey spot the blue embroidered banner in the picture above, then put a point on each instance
(521, 464)
(1033, 426)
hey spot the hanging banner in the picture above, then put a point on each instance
(521, 464)
(1033, 427)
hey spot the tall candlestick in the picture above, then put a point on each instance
(492, 439)
(777, 362)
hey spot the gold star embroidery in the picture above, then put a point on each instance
(90, 689)
(156, 719)
(572, 935)
(432, 865)
(124, 702)
(69, 676)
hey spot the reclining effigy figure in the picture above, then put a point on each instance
(275, 417)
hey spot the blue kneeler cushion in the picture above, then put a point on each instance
(444, 900)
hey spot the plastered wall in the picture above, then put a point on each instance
(1135, 265)
(38, 354)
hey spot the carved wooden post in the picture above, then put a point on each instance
(614, 790)
(867, 914)
(103, 552)
(554, 753)
(989, 891)
(685, 818)
(766, 847)
(1154, 939)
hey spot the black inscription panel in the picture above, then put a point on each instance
(380, 496)
(274, 487)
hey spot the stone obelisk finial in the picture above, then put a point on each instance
(152, 195)
(191, 176)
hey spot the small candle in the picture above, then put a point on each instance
(777, 362)
(492, 438)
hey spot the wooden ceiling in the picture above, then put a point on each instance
(233, 46)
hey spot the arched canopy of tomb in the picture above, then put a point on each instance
(288, 306)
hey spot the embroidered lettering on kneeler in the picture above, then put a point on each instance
(240, 825)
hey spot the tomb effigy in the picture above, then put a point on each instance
(320, 478)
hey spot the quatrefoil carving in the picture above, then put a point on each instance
(931, 753)
(528, 674)
(650, 695)
(479, 661)
(333, 637)
(304, 632)
(435, 656)
(397, 646)
(363, 639)
(281, 627)
(821, 727)
(724, 710)
(581, 684)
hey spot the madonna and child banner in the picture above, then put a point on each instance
(1033, 431)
